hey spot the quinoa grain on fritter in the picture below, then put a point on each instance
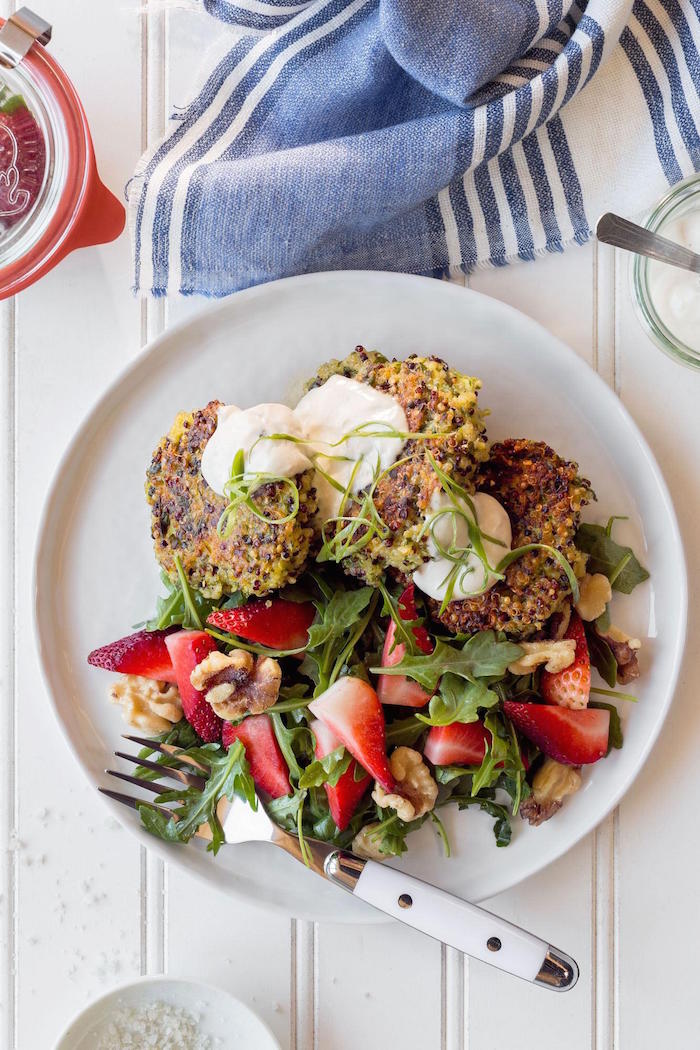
(435, 400)
(258, 556)
(543, 496)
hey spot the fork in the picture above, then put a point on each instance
(416, 903)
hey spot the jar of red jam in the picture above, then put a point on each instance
(51, 197)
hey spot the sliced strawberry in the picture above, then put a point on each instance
(572, 686)
(351, 710)
(398, 689)
(275, 622)
(187, 649)
(267, 765)
(458, 744)
(344, 798)
(143, 653)
(572, 737)
(22, 163)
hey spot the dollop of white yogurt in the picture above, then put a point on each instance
(241, 429)
(676, 293)
(323, 417)
(451, 530)
(328, 413)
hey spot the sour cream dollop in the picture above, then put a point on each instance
(328, 413)
(674, 292)
(450, 530)
(242, 429)
(323, 418)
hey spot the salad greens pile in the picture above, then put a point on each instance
(467, 677)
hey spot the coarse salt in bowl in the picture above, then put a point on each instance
(160, 1012)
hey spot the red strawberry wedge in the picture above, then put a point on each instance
(275, 622)
(187, 649)
(458, 744)
(572, 686)
(351, 710)
(398, 689)
(143, 653)
(267, 765)
(344, 798)
(575, 738)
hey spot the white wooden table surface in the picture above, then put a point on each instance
(82, 906)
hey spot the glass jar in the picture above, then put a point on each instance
(51, 198)
(681, 202)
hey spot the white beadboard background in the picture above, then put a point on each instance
(82, 906)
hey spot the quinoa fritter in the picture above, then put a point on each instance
(436, 400)
(258, 556)
(543, 495)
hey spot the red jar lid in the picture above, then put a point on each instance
(51, 198)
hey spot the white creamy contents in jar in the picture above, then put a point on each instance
(676, 293)
(322, 418)
(240, 429)
(329, 412)
(451, 532)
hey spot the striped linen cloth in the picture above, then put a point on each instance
(414, 135)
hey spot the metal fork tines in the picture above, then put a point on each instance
(164, 769)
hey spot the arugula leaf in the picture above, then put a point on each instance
(339, 615)
(458, 701)
(333, 638)
(404, 731)
(615, 737)
(181, 735)
(180, 607)
(447, 774)
(295, 743)
(616, 562)
(389, 833)
(326, 770)
(502, 829)
(184, 606)
(502, 764)
(483, 655)
(285, 809)
(602, 656)
(229, 776)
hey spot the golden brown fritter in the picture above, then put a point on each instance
(436, 400)
(543, 495)
(258, 556)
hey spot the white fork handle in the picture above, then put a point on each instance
(454, 921)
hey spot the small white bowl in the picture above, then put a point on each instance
(223, 1017)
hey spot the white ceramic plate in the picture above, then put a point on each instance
(229, 1023)
(96, 573)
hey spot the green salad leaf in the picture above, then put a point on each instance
(602, 656)
(615, 736)
(341, 622)
(610, 558)
(404, 731)
(326, 770)
(229, 776)
(484, 655)
(458, 701)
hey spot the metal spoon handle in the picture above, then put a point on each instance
(613, 229)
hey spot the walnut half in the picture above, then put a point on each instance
(416, 791)
(626, 653)
(147, 704)
(594, 594)
(237, 684)
(555, 655)
(553, 782)
(364, 845)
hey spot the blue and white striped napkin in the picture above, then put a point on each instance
(429, 137)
